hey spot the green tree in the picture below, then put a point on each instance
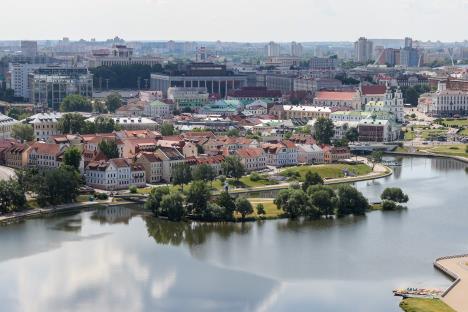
(100, 107)
(181, 174)
(204, 172)
(22, 132)
(311, 178)
(12, 196)
(243, 207)
(260, 209)
(172, 205)
(58, 186)
(109, 148)
(72, 157)
(351, 201)
(153, 203)
(133, 189)
(225, 201)
(394, 194)
(71, 123)
(167, 129)
(113, 102)
(352, 134)
(233, 167)
(388, 205)
(324, 130)
(76, 103)
(375, 157)
(233, 133)
(295, 203)
(324, 202)
(198, 196)
(105, 125)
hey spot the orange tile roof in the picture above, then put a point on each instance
(335, 96)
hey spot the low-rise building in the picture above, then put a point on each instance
(152, 165)
(115, 174)
(6, 125)
(45, 156)
(309, 154)
(253, 158)
(170, 157)
(332, 154)
(305, 112)
(16, 156)
(337, 99)
(158, 109)
(281, 154)
(45, 125)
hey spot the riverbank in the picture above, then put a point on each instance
(456, 268)
(424, 305)
(427, 153)
(42, 212)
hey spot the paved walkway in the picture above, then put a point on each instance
(457, 297)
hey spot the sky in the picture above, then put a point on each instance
(234, 20)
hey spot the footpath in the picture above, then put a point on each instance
(456, 267)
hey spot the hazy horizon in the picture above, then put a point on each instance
(234, 21)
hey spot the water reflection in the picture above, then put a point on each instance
(192, 233)
(114, 215)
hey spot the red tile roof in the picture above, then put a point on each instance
(249, 152)
(335, 95)
(368, 90)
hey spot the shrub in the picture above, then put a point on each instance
(102, 196)
(255, 177)
(133, 189)
(388, 205)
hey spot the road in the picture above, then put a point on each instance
(6, 173)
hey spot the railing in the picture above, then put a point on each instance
(447, 272)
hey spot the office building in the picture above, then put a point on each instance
(120, 55)
(50, 85)
(213, 77)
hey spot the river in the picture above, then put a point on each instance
(117, 260)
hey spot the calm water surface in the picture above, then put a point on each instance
(116, 260)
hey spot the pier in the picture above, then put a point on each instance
(456, 268)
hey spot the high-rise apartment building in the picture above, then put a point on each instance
(363, 49)
(272, 49)
(296, 49)
(29, 48)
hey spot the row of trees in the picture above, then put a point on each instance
(76, 123)
(78, 103)
(321, 201)
(182, 173)
(196, 204)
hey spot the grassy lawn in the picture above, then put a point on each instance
(328, 171)
(401, 149)
(427, 134)
(272, 212)
(424, 305)
(410, 135)
(456, 122)
(452, 150)
(464, 132)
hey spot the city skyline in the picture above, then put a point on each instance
(182, 20)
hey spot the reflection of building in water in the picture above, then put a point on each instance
(443, 164)
(113, 215)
